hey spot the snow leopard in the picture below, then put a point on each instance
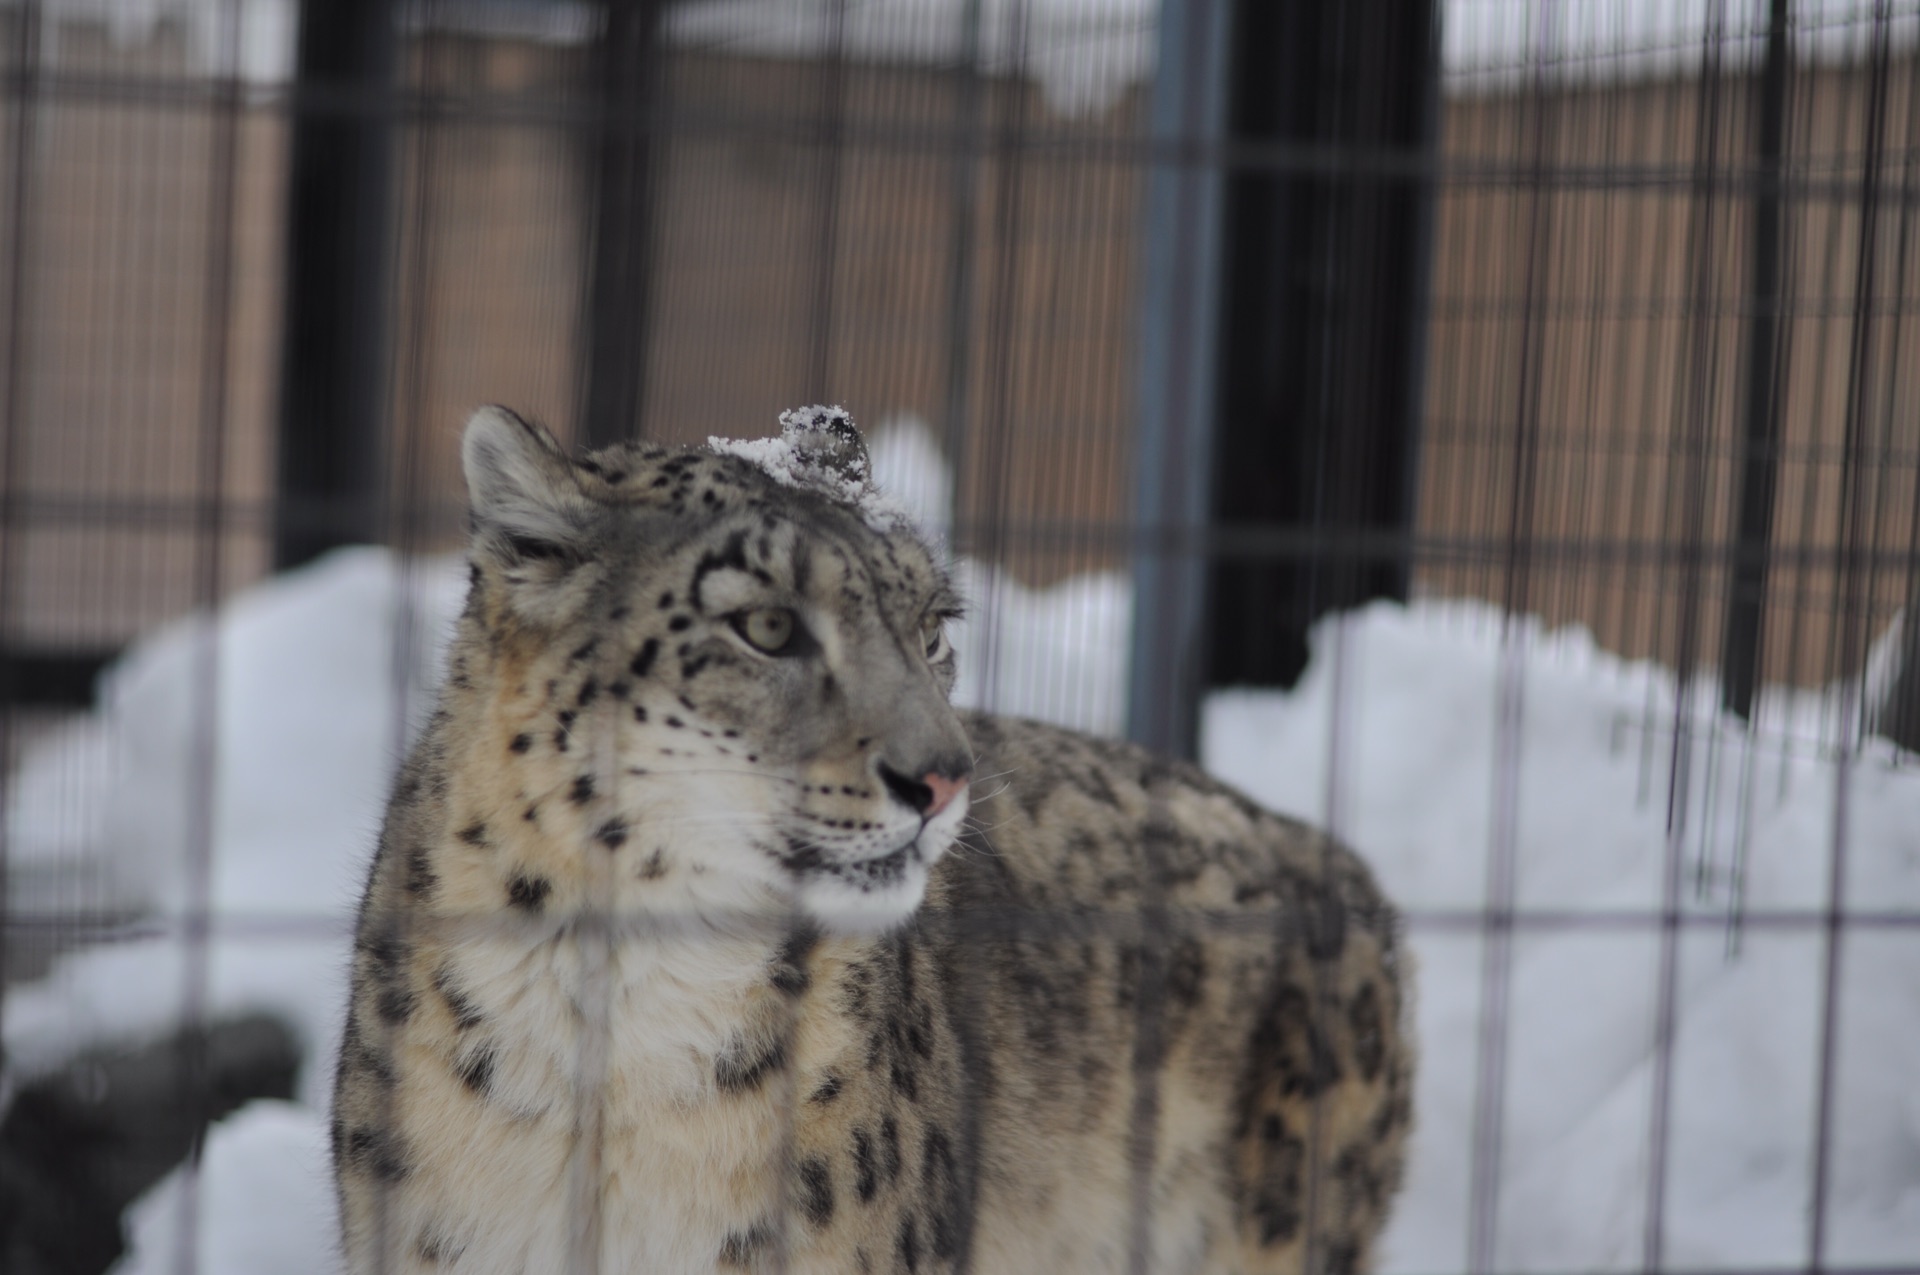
(704, 934)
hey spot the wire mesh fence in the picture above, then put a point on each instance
(1501, 452)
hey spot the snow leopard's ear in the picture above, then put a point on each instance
(526, 502)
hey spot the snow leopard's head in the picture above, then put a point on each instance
(727, 669)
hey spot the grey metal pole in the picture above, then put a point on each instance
(1173, 456)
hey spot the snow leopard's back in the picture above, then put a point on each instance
(1156, 970)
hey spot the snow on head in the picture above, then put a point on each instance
(820, 450)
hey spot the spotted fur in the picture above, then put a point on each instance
(673, 959)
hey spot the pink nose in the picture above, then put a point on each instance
(944, 791)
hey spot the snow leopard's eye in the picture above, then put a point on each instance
(768, 629)
(933, 632)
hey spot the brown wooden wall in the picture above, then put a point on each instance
(1587, 320)
(1586, 392)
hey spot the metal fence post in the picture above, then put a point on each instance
(335, 337)
(1179, 317)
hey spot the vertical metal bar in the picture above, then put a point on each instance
(1696, 410)
(965, 178)
(1497, 924)
(1765, 376)
(1322, 304)
(1173, 448)
(619, 258)
(1851, 618)
(216, 357)
(333, 377)
(13, 407)
(830, 156)
(986, 490)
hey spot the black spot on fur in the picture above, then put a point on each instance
(942, 1187)
(905, 1082)
(1287, 1056)
(908, 1246)
(377, 1153)
(816, 1191)
(474, 834)
(619, 690)
(584, 651)
(640, 712)
(743, 1067)
(1274, 1194)
(644, 658)
(790, 974)
(1366, 1186)
(666, 600)
(612, 834)
(531, 813)
(1326, 928)
(866, 1176)
(528, 893)
(520, 743)
(589, 691)
(654, 868)
(828, 1091)
(1369, 1040)
(395, 1003)
(420, 875)
(358, 1054)
(436, 1249)
(582, 791)
(465, 1013)
(476, 1069)
(679, 624)
(743, 1248)
(1186, 973)
(887, 1151)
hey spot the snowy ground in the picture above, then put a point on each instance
(1396, 737)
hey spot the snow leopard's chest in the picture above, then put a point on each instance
(611, 1076)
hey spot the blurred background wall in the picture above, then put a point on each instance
(901, 215)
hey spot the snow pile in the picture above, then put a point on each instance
(262, 1203)
(1394, 738)
(819, 449)
(296, 705)
(1500, 44)
(252, 40)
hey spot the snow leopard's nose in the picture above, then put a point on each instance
(929, 794)
(944, 791)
